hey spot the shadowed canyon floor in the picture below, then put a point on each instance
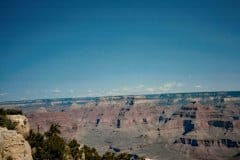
(166, 126)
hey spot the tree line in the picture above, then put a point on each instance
(51, 146)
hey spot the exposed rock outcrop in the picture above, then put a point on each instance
(13, 145)
(200, 125)
(23, 126)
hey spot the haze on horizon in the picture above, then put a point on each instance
(94, 48)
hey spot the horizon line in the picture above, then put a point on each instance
(190, 92)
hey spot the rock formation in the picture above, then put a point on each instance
(23, 126)
(168, 126)
(13, 145)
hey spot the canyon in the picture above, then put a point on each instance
(203, 125)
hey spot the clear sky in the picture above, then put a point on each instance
(59, 48)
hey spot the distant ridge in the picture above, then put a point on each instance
(48, 100)
(95, 98)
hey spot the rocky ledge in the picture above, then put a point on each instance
(12, 143)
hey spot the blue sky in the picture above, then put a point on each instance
(95, 48)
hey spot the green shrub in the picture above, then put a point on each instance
(10, 112)
(90, 153)
(54, 147)
(124, 156)
(50, 146)
(53, 130)
(35, 139)
(5, 122)
(13, 112)
(74, 149)
(2, 111)
(108, 156)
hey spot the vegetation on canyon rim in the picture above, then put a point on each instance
(4, 121)
(51, 146)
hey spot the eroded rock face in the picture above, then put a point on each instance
(23, 126)
(13, 145)
(197, 125)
